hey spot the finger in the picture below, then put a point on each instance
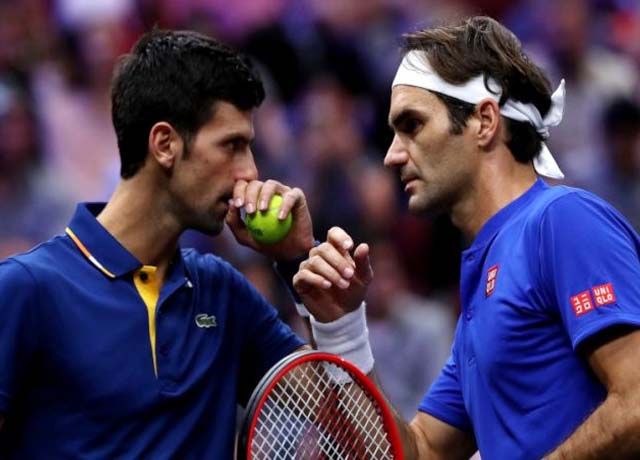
(305, 280)
(290, 199)
(340, 239)
(363, 269)
(238, 192)
(237, 226)
(266, 192)
(319, 265)
(341, 262)
(251, 196)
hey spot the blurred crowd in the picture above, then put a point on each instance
(327, 65)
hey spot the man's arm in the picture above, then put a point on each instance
(332, 283)
(613, 430)
(428, 438)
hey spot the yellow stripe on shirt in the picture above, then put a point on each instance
(148, 287)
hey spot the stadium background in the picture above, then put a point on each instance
(327, 65)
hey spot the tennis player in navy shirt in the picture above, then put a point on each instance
(114, 342)
(545, 358)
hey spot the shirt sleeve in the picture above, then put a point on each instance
(590, 268)
(444, 398)
(18, 328)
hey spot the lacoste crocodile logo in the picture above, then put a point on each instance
(205, 321)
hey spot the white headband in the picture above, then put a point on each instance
(415, 70)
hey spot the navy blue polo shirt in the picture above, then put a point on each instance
(545, 273)
(89, 370)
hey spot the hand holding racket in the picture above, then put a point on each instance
(317, 406)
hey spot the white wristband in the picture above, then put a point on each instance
(302, 310)
(348, 336)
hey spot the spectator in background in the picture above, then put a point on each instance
(333, 148)
(618, 178)
(594, 73)
(72, 91)
(32, 206)
(410, 335)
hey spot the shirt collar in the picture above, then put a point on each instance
(106, 253)
(97, 244)
(497, 221)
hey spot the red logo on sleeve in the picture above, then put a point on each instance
(582, 303)
(492, 275)
(603, 294)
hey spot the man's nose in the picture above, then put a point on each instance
(397, 153)
(246, 168)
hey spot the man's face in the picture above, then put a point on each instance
(218, 156)
(435, 166)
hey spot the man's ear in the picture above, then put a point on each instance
(488, 112)
(165, 144)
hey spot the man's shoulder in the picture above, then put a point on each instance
(563, 200)
(35, 265)
(46, 256)
(575, 213)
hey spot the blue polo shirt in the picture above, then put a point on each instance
(553, 268)
(89, 370)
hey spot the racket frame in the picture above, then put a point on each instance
(282, 367)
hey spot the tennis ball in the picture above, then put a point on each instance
(265, 227)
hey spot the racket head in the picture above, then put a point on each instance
(313, 405)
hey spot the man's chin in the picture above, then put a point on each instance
(416, 206)
(210, 228)
(421, 206)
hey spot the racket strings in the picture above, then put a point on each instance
(315, 413)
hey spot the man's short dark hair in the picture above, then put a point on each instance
(482, 46)
(175, 76)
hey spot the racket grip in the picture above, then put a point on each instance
(348, 337)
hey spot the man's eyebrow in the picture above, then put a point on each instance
(238, 136)
(398, 118)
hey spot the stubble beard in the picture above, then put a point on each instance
(206, 222)
(210, 225)
(429, 201)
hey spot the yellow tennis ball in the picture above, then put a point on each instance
(265, 227)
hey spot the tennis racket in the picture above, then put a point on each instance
(317, 406)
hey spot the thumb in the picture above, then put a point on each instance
(363, 263)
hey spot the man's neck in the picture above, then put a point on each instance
(136, 218)
(495, 186)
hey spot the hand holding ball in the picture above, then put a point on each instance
(265, 227)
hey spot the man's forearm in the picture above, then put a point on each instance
(612, 431)
(407, 438)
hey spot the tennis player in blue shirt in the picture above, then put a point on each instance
(545, 358)
(114, 342)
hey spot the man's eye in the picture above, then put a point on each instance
(237, 144)
(410, 126)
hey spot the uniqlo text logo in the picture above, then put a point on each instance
(582, 303)
(603, 294)
(492, 276)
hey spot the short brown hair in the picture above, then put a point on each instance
(482, 46)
